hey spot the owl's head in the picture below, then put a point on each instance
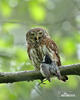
(35, 35)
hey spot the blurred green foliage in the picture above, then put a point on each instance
(62, 20)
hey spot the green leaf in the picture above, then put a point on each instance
(72, 82)
(6, 10)
(69, 47)
(37, 11)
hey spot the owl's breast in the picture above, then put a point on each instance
(37, 54)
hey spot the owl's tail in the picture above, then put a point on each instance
(64, 78)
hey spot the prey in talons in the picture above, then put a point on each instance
(49, 68)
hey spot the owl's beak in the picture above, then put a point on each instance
(37, 38)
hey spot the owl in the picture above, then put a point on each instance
(39, 44)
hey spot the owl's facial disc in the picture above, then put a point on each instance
(39, 36)
(36, 36)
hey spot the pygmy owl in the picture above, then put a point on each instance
(39, 44)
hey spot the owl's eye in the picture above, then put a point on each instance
(32, 33)
(40, 32)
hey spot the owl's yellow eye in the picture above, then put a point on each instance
(40, 32)
(32, 33)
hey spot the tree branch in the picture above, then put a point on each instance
(10, 77)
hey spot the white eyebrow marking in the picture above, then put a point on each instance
(32, 32)
(40, 31)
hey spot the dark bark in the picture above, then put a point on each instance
(10, 77)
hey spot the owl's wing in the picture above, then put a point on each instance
(28, 50)
(52, 46)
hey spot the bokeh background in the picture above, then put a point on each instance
(61, 18)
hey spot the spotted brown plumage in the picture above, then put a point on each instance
(39, 44)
